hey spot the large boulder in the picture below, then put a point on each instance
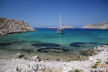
(35, 58)
(19, 55)
(9, 26)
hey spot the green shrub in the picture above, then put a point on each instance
(76, 70)
(95, 66)
(98, 61)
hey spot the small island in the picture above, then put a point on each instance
(10, 26)
(102, 25)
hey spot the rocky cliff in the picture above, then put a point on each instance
(9, 26)
(103, 25)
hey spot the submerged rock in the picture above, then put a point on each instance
(9, 26)
(77, 44)
(46, 45)
(84, 44)
(53, 50)
(5, 44)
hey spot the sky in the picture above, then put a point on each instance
(45, 13)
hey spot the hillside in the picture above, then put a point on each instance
(10, 26)
(102, 25)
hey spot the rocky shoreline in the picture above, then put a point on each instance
(10, 26)
(19, 63)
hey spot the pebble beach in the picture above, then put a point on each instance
(35, 65)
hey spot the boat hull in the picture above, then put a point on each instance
(60, 31)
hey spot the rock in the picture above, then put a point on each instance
(9, 70)
(19, 55)
(26, 68)
(5, 44)
(41, 67)
(67, 69)
(53, 50)
(46, 58)
(46, 45)
(87, 52)
(23, 68)
(35, 58)
(57, 59)
(10, 26)
(77, 44)
(31, 67)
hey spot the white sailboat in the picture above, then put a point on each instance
(60, 30)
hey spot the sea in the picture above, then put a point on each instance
(47, 43)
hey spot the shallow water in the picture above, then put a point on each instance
(45, 41)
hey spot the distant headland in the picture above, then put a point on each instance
(102, 25)
(10, 26)
(62, 27)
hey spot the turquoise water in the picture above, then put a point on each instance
(47, 41)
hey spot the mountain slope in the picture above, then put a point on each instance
(9, 26)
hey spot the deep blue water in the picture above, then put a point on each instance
(45, 40)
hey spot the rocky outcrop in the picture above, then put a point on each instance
(103, 25)
(9, 26)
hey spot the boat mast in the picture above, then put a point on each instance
(60, 22)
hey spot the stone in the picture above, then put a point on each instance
(67, 69)
(19, 55)
(35, 58)
(77, 44)
(23, 68)
(41, 67)
(87, 52)
(46, 45)
(9, 70)
(5, 44)
(53, 50)
(33, 66)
